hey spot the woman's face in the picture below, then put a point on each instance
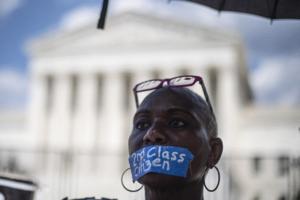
(170, 118)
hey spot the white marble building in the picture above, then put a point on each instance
(82, 104)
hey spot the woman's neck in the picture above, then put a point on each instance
(193, 191)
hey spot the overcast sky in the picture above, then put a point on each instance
(273, 51)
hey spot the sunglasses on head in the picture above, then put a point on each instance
(179, 81)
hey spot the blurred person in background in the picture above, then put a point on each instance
(16, 188)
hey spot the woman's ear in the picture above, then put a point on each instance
(216, 146)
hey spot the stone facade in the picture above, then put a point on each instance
(82, 104)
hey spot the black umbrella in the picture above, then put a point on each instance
(273, 9)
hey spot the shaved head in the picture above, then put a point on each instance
(193, 101)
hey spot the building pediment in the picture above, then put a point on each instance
(130, 31)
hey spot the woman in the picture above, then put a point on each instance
(171, 122)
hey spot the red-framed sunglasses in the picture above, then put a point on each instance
(179, 81)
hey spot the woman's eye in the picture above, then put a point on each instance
(142, 125)
(177, 123)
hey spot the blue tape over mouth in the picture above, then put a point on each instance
(169, 160)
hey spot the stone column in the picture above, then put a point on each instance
(59, 133)
(38, 111)
(203, 72)
(228, 105)
(111, 132)
(59, 117)
(38, 122)
(112, 113)
(84, 121)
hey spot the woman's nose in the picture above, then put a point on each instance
(154, 135)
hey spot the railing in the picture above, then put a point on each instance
(61, 174)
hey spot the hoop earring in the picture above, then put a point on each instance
(123, 185)
(219, 178)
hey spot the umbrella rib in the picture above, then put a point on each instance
(274, 10)
(102, 18)
(222, 5)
